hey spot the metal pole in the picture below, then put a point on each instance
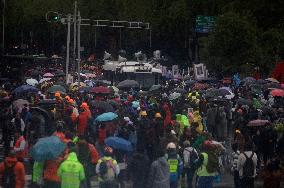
(3, 28)
(79, 46)
(150, 38)
(95, 37)
(120, 38)
(74, 34)
(68, 46)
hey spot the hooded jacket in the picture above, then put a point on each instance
(159, 176)
(71, 172)
(19, 171)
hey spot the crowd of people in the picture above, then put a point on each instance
(182, 133)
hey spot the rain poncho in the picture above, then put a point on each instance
(71, 172)
(197, 118)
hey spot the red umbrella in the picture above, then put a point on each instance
(100, 90)
(277, 93)
(257, 122)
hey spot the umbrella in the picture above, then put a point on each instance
(200, 86)
(272, 85)
(57, 88)
(174, 96)
(261, 81)
(48, 75)
(105, 106)
(248, 80)
(25, 89)
(243, 101)
(59, 73)
(180, 90)
(155, 87)
(258, 122)
(226, 88)
(89, 83)
(128, 84)
(32, 82)
(212, 93)
(101, 90)
(44, 80)
(102, 82)
(119, 143)
(109, 116)
(47, 148)
(272, 80)
(85, 89)
(277, 93)
(190, 82)
(19, 104)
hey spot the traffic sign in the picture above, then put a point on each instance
(204, 24)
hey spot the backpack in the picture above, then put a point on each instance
(173, 167)
(107, 169)
(193, 156)
(9, 177)
(248, 168)
(213, 162)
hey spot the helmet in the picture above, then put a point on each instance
(84, 105)
(171, 145)
(108, 150)
(158, 115)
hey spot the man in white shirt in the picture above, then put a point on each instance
(246, 166)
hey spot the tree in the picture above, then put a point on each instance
(233, 43)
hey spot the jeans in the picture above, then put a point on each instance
(189, 176)
(205, 182)
(174, 184)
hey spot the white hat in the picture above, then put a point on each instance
(126, 119)
(171, 145)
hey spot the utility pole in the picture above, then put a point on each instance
(68, 46)
(3, 27)
(74, 34)
(79, 47)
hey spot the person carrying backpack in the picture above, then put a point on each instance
(107, 169)
(208, 165)
(190, 155)
(175, 164)
(12, 172)
(246, 166)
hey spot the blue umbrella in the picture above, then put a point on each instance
(47, 148)
(109, 116)
(25, 89)
(119, 143)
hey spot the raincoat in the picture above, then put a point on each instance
(71, 172)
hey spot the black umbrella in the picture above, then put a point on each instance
(128, 84)
(243, 101)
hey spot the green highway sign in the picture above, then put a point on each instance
(204, 24)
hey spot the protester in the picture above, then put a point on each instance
(246, 166)
(12, 172)
(71, 172)
(107, 169)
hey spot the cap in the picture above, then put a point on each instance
(173, 132)
(158, 115)
(171, 145)
(84, 105)
(143, 113)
